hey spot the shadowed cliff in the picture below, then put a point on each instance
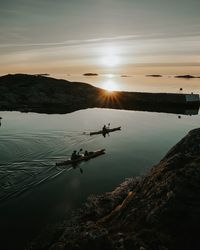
(158, 211)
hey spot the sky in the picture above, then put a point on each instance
(103, 36)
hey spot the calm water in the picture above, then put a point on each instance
(33, 192)
(140, 83)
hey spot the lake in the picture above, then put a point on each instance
(35, 193)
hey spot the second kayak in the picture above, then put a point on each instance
(108, 130)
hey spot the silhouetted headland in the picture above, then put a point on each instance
(158, 211)
(36, 93)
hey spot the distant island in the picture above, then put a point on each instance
(187, 76)
(124, 76)
(37, 93)
(90, 74)
(153, 75)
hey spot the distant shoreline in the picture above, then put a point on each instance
(186, 76)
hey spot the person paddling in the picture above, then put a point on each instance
(74, 155)
(86, 153)
(104, 129)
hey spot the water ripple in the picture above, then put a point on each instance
(28, 159)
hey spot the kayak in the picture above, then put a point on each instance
(108, 130)
(82, 157)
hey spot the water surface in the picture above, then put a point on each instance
(34, 192)
(139, 83)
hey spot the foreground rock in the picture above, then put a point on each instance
(157, 212)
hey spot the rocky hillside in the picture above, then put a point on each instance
(157, 212)
(27, 92)
(41, 93)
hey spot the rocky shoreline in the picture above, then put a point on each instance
(42, 94)
(159, 211)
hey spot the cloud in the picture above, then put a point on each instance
(70, 42)
(103, 40)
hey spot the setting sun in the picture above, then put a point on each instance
(110, 85)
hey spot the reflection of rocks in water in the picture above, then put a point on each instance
(159, 211)
(0, 121)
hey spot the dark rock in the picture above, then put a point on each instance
(159, 211)
(36, 92)
(186, 76)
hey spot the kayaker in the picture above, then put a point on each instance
(104, 129)
(74, 155)
(78, 155)
(86, 153)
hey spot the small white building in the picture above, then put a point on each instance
(192, 98)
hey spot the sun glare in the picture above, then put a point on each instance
(110, 86)
(110, 56)
(110, 60)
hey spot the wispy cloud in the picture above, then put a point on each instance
(70, 42)
(102, 40)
